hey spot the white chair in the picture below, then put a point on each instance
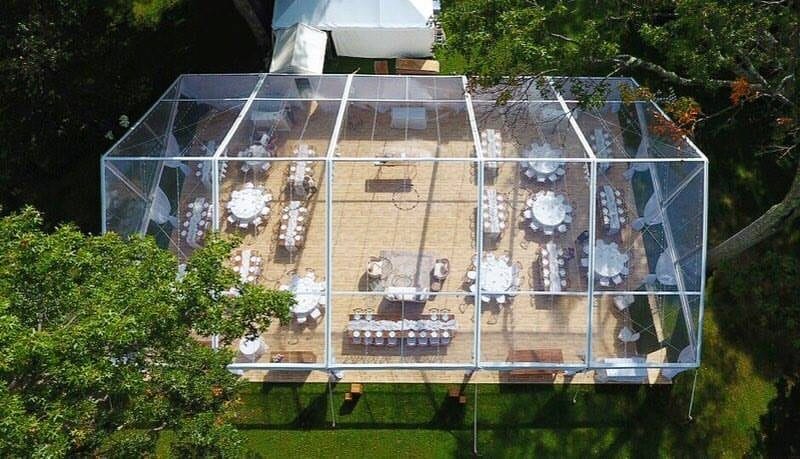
(356, 337)
(501, 299)
(434, 339)
(552, 177)
(548, 232)
(621, 302)
(301, 319)
(379, 339)
(257, 221)
(445, 337)
(617, 279)
(243, 225)
(392, 340)
(527, 213)
(562, 228)
(230, 219)
(411, 339)
(315, 314)
(541, 178)
(604, 282)
(585, 262)
(423, 339)
(626, 335)
(471, 275)
(368, 338)
(568, 218)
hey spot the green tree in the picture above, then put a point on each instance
(744, 50)
(98, 349)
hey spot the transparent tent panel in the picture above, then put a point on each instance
(540, 329)
(408, 216)
(652, 329)
(285, 127)
(302, 87)
(286, 249)
(535, 224)
(390, 129)
(125, 203)
(522, 89)
(182, 128)
(407, 88)
(216, 86)
(410, 190)
(182, 208)
(527, 130)
(646, 239)
(630, 130)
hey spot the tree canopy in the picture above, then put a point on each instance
(739, 58)
(98, 348)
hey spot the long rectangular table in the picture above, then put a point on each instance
(397, 317)
(553, 267)
(613, 210)
(492, 217)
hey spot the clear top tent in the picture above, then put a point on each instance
(548, 234)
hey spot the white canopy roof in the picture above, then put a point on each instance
(299, 49)
(365, 28)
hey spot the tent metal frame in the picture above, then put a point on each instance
(477, 363)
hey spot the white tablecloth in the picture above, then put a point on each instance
(246, 204)
(538, 167)
(496, 275)
(553, 267)
(308, 293)
(549, 209)
(492, 215)
(608, 260)
(251, 348)
(613, 210)
(492, 144)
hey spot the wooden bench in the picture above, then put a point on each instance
(356, 390)
(535, 355)
(416, 66)
(294, 357)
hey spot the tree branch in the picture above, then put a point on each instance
(778, 216)
(628, 61)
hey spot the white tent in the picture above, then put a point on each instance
(365, 28)
(299, 49)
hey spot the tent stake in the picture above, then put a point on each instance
(691, 399)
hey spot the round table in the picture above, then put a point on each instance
(247, 204)
(307, 294)
(496, 275)
(608, 260)
(250, 347)
(543, 167)
(549, 209)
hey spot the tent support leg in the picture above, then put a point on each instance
(691, 399)
(475, 424)
(330, 397)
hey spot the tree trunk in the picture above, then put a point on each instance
(255, 15)
(769, 223)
